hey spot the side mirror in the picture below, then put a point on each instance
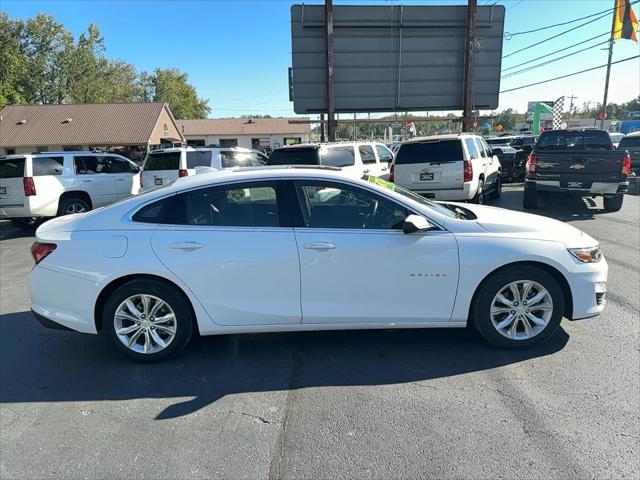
(415, 223)
(496, 151)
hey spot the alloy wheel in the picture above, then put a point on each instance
(75, 207)
(521, 310)
(145, 323)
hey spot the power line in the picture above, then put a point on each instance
(553, 53)
(568, 75)
(511, 35)
(533, 67)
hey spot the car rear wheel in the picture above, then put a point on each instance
(530, 199)
(518, 307)
(148, 320)
(613, 204)
(72, 205)
(479, 196)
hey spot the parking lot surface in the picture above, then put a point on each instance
(367, 404)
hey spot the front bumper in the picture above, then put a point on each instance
(588, 283)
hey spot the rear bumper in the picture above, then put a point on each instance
(596, 188)
(465, 193)
(29, 207)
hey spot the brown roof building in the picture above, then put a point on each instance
(133, 126)
(259, 133)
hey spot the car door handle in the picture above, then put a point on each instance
(366, 170)
(319, 246)
(186, 246)
(87, 181)
(119, 179)
(384, 169)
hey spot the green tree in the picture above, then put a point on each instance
(172, 86)
(13, 62)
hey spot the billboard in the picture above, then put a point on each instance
(394, 57)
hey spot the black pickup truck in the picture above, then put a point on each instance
(578, 162)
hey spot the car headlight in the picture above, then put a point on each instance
(587, 255)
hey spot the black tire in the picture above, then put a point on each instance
(497, 189)
(69, 202)
(24, 223)
(184, 321)
(530, 199)
(495, 283)
(478, 198)
(613, 204)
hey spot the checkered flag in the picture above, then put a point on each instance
(558, 106)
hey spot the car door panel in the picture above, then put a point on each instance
(95, 178)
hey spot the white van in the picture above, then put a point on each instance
(48, 184)
(448, 167)
(164, 166)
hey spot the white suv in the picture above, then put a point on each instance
(448, 167)
(164, 166)
(354, 158)
(48, 184)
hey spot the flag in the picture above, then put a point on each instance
(625, 23)
(558, 107)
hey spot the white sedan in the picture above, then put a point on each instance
(282, 249)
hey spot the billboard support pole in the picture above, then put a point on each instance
(467, 101)
(322, 138)
(331, 126)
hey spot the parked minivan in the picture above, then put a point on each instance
(49, 184)
(448, 167)
(164, 166)
(355, 158)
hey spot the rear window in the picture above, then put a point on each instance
(566, 140)
(239, 159)
(430, 151)
(338, 156)
(629, 142)
(47, 166)
(199, 159)
(162, 161)
(12, 168)
(294, 156)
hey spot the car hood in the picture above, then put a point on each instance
(510, 223)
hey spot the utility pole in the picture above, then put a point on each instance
(469, 58)
(572, 97)
(328, 16)
(322, 138)
(606, 81)
(354, 126)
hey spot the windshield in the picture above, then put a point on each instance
(441, 209)
(630, 142)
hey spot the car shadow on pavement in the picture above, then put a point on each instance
(40, 365)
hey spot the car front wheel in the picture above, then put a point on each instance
(148, 320)
(518, 307)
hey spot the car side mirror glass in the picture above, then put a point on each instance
(415, 223)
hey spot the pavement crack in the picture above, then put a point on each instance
(258, 417)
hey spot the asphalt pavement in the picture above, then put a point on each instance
(368, 404)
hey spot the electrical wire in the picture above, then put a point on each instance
(568, 75)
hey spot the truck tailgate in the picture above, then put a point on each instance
(601, 166)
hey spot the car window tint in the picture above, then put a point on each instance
(343, 156)
(151, 213)
(574, 140)
(119, 165)
(335, 205)
(471, 146)
(430, 151)
(91, 165)
(384, 153)
(12, 167)
(483, 152)
(47, 166)
(162, 161)
(630, 142)
(242, 205)
(199, 158)
(294, 156)
(366, 154)
(232, 159)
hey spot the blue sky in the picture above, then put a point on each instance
(236, 52)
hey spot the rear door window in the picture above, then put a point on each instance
(199, 158)
(47, 166)
(342, 156)
(162, 161)
(91, 165)
(294, 156)
(12, 167)
(366, 154)
(430, 151)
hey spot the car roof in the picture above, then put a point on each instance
(633, 134)
(445, 136)
(329, 144)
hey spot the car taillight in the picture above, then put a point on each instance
(391, 174)
(532, 161)
(29, 186)
(468, 171)
(39, 251)
(183, 173)
(626, 165)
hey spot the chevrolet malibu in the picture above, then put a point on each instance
(282, 249)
